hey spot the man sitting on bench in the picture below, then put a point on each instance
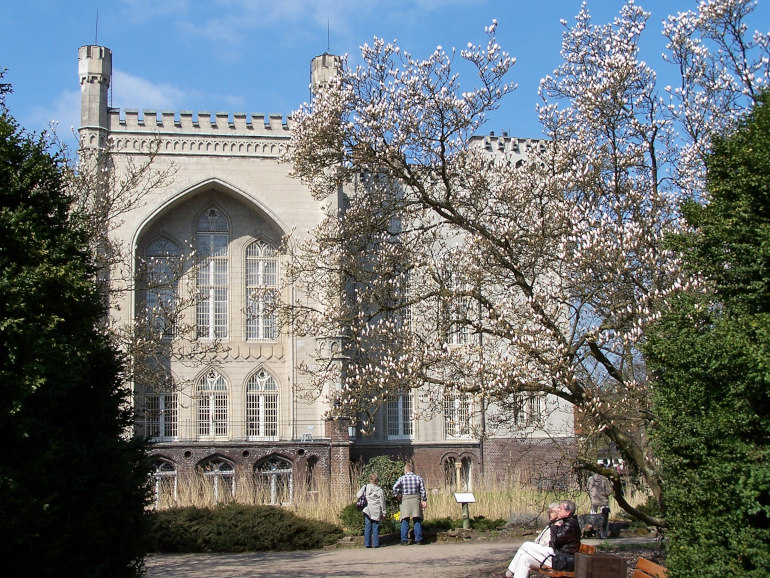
(565, 539)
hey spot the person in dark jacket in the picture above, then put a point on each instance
(565, 541)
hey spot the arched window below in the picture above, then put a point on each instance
(457, 474)
(274, 481)
(219, 475)
(165, 484)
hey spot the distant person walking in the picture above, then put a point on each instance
(599, 491)
(410, 490)
(374, 512)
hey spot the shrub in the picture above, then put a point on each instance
(352, 519)
(479, 523)
(237, 528)
(388, 470)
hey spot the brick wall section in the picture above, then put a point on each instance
(326, 464)
(520, 461)
(247, 457)
(337, 432)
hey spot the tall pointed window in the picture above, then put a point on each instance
(212, 405)
(457, 311)
(162, 270)
(400, 416)
(212, 241)
(261, 406)
(457, 415)
(261, 291)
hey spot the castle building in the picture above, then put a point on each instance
(226, 413)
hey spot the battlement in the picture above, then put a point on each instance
(505, 144)
(187, 122)
(186, 133)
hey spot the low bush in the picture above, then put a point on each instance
(237, 528)
(480, 523)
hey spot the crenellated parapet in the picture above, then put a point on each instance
(504, 145)
(201, 133)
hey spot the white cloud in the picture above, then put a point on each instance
(63, 114)
(129, 91)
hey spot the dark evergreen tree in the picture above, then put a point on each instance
(73, 486)
(711, 359)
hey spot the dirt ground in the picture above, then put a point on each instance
(471, 555)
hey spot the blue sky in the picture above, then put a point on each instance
(254, 56)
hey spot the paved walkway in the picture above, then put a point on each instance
(449, 560)
(453, 560)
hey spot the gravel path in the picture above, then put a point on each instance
(450, 560)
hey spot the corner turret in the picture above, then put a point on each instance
(95, 71)
(322, 69)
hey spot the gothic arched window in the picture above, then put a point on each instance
(162, 269)
(212, 405)
(261, 406)
(220, 475)
(457, 474)
(261, 291)
(274, 481)
(212, 242)
(165, 484)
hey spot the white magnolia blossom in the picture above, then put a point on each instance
(452, 269)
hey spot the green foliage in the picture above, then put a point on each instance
(72, 487)
(388, 470)
(352, 519)
(237, 528)
(479, 523)
(710, 355)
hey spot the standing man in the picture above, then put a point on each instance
(599, 490)
(410, 490)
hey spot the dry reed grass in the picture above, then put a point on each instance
(520, 504)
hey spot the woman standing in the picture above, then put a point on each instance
(374, 512)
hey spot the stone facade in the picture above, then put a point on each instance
(236, 415)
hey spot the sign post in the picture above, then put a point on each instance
(465, 498)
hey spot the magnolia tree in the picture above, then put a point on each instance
(459, 272)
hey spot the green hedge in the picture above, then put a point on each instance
(237, 528)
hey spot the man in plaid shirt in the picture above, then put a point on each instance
(414, 500)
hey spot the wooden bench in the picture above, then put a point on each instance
(647, 569)
(537, 571)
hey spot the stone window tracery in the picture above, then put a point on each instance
(261, 406)
(261, 291)
(212, 287)
(213, 402)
